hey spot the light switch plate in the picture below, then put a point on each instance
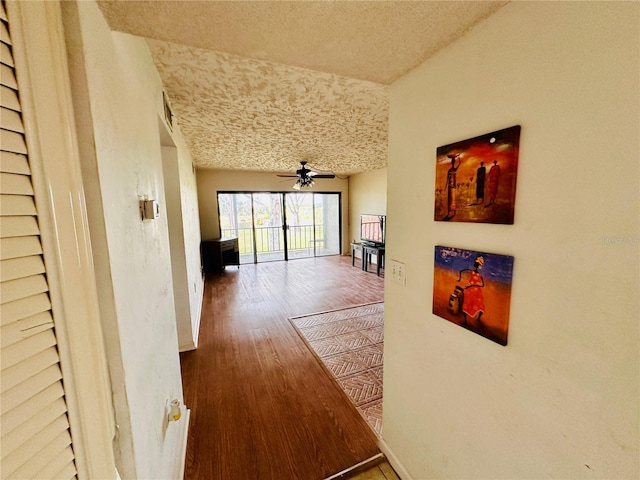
(398, 272)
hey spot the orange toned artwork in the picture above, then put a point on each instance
(476, 178)
(473, 290)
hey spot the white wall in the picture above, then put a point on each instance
(117, 95)
(184, 236)
(561, 399)
(367, 194)
(210, 182)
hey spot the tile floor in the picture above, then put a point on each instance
(350, 344)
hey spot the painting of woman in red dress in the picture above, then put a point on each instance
(473, 303)
(473, 290)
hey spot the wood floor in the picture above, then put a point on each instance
(262, 407)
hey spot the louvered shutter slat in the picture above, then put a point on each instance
(8, 77)
(69, 472)
(59, 468)
(16, 417)
(24, 328)
(28, 349)
(18, 227)
(18, 247)
(23, 308)
(27, 364)
(12, 376)
(9, 99)
(30, 387)
(23, 287)
(10, 119)
(5, 55)
(31, 427)
(4, 34)
(13, 184)
(15, 268)
(22, 460)
(11, 205)
(11, 162)
(13, 141)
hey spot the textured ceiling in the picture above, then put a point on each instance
(262, 85)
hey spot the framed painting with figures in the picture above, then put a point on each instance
(473, 289)
(476, 178)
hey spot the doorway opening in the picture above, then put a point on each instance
(274, 226)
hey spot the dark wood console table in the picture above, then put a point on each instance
(218, 253)
(367, 252)
(355, 247)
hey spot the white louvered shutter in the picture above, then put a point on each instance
(36, 441)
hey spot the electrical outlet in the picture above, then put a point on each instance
(397, 272)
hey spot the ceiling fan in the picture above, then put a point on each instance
(305, 176)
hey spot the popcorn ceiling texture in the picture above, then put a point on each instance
(371, 40)
(262, 85)
(240, 113)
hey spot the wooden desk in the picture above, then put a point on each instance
(367, 252)
(218, 253)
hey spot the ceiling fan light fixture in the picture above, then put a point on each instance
(303, 181)
(305, 176)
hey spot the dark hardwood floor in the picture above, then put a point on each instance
(262, 406)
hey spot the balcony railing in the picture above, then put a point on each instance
(301, 241)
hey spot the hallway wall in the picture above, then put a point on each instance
(561, 399)
(117, 98)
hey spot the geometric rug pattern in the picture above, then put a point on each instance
(349, 342)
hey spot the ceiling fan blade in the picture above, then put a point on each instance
(324, 175)
(287, 176)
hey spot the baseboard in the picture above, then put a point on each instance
(402, 472)
(196, 327)
(183, 443)
(187, 347)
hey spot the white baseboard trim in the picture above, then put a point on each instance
(402, 472)
(186, 347)
(183, 443)
(196, 327)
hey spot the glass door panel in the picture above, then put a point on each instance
(299, 225)
(267, 222)
(311, 222)
(236, 221)
(327, 224)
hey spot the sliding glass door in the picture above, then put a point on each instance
(327, 223)
(299, 225)
(267, 227)
(235, 213)
(281, 226)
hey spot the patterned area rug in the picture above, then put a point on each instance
(349, 343)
